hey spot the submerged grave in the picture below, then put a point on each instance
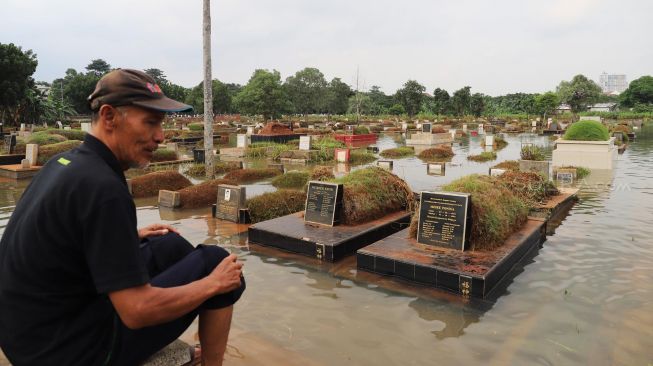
(467, 237)
(340, 216)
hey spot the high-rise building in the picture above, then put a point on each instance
(612, 83)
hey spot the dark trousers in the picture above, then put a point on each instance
(171, 261)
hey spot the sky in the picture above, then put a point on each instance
(495, 46)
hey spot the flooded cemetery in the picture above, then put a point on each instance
(389, 241)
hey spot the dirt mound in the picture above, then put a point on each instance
(148, 185)
(202, 195)
(275, 128)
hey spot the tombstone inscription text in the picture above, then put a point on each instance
(323, 203)
(444, 219)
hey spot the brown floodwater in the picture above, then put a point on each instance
(584, 298)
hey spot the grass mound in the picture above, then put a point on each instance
(46, 152)
(532, 188)
(361, 130)
(44, 138)
(398, 152)
(69, 134)
(438, 152)
(196, 126)
(508, 165)
(372, 193)
(198, 170)
(164, 155)
(292, 179)
(322, 173)
(252, 175)
(499, 142)
(438, 129)
(587, 131)
(201, 195)
(532, 153)
(484, 156)
(358, 157)
(275, 204)
(327, 143)
(148, 185)
(624, 130)
(270, 150)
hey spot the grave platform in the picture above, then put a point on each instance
(11, 159)
(280, 139)
(351, 140)
(16, 171)
(556, 204)
(234, 152)
(468, 273)
(329, 243)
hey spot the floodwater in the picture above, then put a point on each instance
(584, 298)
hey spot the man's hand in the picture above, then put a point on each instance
(226, 276)
(155, 230)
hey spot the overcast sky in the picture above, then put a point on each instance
(494, 46)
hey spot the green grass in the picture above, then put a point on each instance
(291, 179)
(482, 157)
(196, 126)
(327, 142)
(69, 134)
(252, 175)
(532, 153)
(398, 152)
(45, 138)
(508, 165)
(164, 155)
(270, 150)
(275, 204)
(46, 152)
(359, 157)
(361, 130)
(587, 131)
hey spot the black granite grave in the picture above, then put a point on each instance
(444, 219)
(323, 203)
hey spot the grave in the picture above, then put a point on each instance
(10, 144)
(589, 154)
(494, 172)
(426, 127)
(274, 165)
(242, 140)
(169, 199)
(428, 138)
(305, 143)
(436, 169)
(31, 154)
(385, 164)
(342, 155)
(230, 202)
(489, 140)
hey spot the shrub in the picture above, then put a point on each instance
(322, 173)
(46, 152)
(438, 152)
(275, 204)
(532, 153)
(361, 130)
(624, 130)
(292, 179)
(372, 193)
(201, 195)
(484, 156)
(69, 134)
(398, 152)
(198, 170)
(252, 175)
(587, 131)
(44, 138)
(148, 185)
(164, 155)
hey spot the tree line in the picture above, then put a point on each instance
(305, 92)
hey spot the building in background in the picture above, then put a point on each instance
(612, 83)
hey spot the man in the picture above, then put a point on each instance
(79, 284)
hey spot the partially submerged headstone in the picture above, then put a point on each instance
(489, 140)
(342, 155)
(169, 199)
(241, 140)
(305, 143)
(385, 164)
(32, 153)
(566, 175)
(324, 203)
(231, 199)
(495, 172)
(435, 168)
(444, 219)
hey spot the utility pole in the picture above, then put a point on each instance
(208, 92)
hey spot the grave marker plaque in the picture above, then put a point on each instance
(323, 203)
(435, 168)
(10, 144)
(489, 140)
(304, 143)
(426, 127)
(444, 219)
(170, 199)
(342, 155)
(241, 140)
(385, 164)
(230, 200)
(495, 172)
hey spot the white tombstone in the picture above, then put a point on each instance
(453, 133)
(22, 127)
(311, 127)
(304, 142)
(385, 164)
(172, 146)
(250, 130)
(534, 124)
(404, 126)
(464, 127)
(59, 125)
(32, 153)
(86, 127)
(241, 140)
(489, 140)
(435, 168)
(495, 172)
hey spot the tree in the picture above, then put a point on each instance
(306, 90)
(16, 69)
(380, 102)
(98, 67)
(337, 97)
(639, 94)
(546, 104)
(579, 93)
(222, 98)
(57, 110)
(411, 96)
(157, 75)
(263, 94)
(441, 101)
(460, 101)
(477, 104)
(397, 109)
(77, 88)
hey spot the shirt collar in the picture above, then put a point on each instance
(93, 144)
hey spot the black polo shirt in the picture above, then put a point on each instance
(71, 240)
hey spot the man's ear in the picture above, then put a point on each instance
(108, 116)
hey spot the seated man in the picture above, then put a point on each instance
(79, 284)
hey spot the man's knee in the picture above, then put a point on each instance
(212, 256)
(168, 249)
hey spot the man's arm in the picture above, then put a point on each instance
(145, 305)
